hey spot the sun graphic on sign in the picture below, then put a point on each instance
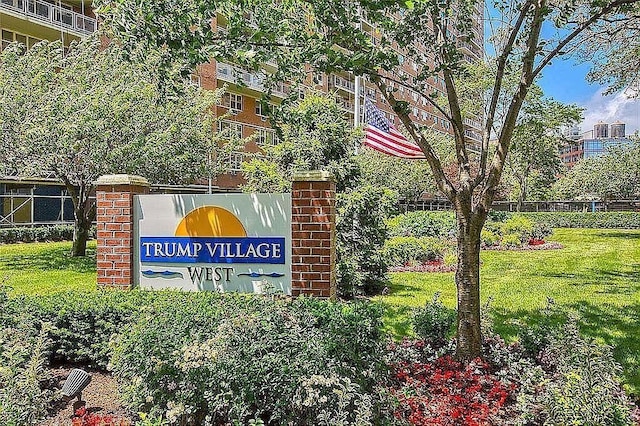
(210, 221)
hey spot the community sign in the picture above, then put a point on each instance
(220, 242)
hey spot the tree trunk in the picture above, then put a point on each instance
(469, 339)
(81, 229)
(522, 196)
(84, 213)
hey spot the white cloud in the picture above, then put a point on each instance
(611, 108)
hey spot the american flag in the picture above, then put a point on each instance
(380, 135)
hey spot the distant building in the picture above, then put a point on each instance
(601, 130)
(618, 130)
(592, 144)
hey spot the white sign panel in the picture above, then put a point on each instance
(220, 242)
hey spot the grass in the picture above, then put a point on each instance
(43, 268)
(596, 274)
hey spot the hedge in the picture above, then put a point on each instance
(26, 234)
(620, 220)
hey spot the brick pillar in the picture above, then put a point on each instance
(114, 203)
(313, 222)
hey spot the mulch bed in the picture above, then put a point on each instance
(100, 397)
(545, 246)
(439, 266)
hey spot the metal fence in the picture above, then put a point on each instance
(532, 206)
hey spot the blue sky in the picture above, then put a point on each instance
(564, 80)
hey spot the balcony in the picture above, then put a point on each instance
(51, 15)
(253, 81)
(342, 83)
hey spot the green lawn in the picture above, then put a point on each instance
(596, 274)
(41, 268)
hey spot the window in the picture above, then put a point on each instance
(230, 129)
(265, 137)
(235, 162)
(263, 110)
(10, 36)
(318, 79)
(232, 101)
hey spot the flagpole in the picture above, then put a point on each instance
(356, 112)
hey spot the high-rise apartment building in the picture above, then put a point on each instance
(29, 21)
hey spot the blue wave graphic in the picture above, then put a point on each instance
(163, 274)
(258, 275)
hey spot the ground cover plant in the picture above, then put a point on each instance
(596, 274)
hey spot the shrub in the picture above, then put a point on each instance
(84, 322)
(232, 358)
(423, 224)
(400, 251)
(433, 321)
(512, 240)
(23, 355)
(541, 231)
(489, 238)
(360, 235)
(517, 225)
(26, 234)
(584, 389)
(621, 220)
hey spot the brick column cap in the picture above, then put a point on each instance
(314, 176)
(122, 179)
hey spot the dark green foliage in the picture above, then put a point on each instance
(433, 321)
(315, 136)
(82, 323)
(399, 251)
(25, 234)
(24, 344)
(584, 389)
(361, 233)
(423, 224)
(620, 220)
(231, 358)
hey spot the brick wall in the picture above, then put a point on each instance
(313, 221)
(114, 214)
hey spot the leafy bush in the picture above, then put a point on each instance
(423, 224)
(541, 231)
(84, 322)
(489, 238)
(233, 358)
(511, 240)
(400, 251)
(23, 356)
(620, 220)
(517, 225)
(360, 235)
(433, 321)
(38, 234)
(584, 389)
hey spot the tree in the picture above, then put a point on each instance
(331, 36)
(615, 174)
(315, 136)
(534, 155)
(410, 179)
(88, 113)
(613, 45)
